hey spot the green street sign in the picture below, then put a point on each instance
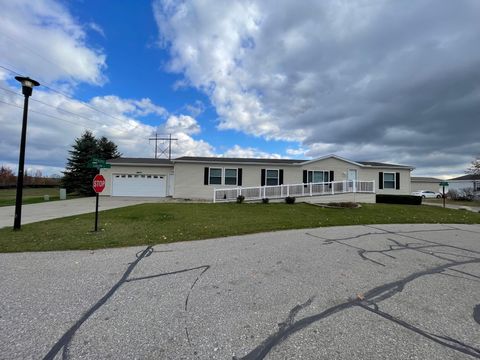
(98, 164)
(444, 183)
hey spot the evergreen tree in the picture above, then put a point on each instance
(107, 149)
(78, 176)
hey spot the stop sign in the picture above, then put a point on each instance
(98, 183)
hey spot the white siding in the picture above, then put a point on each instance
(189, 177)
(137, 169)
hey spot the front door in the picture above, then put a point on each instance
(351, 179)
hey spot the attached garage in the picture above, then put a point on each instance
(147, 185)
(139, 177)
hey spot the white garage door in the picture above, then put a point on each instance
(139, 185)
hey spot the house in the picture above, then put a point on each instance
(425, 183)
(466, 182)
(192, 177)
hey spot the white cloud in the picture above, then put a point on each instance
(49, 139)
(346, 77)
(112, 103)
(41, 39)
(182, 123)
(249, 152)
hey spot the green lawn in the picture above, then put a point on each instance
(164, 223)
(30, 195)
(453, 202)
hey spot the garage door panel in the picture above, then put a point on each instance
(139, 185)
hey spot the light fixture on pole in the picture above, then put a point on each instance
(27, 86)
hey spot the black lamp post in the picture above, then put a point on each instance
(27, 86)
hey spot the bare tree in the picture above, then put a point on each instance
(475, 168)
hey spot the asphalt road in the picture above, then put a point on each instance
(359, 292)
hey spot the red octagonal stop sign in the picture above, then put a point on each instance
(98, 183)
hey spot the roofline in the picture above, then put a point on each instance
(139, 164)
(359, 164)
(332, 156)
(238, 162)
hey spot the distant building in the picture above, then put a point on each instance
(425, 183)
(470, 182)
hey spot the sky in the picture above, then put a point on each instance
(368, 80)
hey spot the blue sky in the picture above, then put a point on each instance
(136, 69)
(246, 79)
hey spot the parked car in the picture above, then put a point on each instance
(427, 194)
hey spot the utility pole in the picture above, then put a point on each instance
(166, 151)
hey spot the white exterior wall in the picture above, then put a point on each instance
(405, 182)
(189, 177)
(340, 169)
(424, 185)
(137, 169)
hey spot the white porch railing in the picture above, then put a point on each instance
(297, 190)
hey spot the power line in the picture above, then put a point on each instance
(52, 106)
(72, 99)
(48, 115)
(46, 85)
(163, 151)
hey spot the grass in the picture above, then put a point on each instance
(30, 195)
(164, 223)
(453, 202)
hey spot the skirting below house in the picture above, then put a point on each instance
(349, 197)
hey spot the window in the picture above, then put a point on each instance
(317, 176)
(215, 176)
(389, 180)
(272, 177)
(477, 186)
(230, 176)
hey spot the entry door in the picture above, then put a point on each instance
(352, 178)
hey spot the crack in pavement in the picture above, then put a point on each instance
(376, 295)
(64, 342)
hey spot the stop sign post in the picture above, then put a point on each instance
(98, 186)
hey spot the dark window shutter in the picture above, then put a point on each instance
(239, 181)
(280, 177)
(305, 176)
(380, 180)
(332, 177)
(262, 182)
(397, 182)
(205, 176)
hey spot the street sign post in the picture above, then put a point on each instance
(98, 186)
(443, 184)
(98, 164)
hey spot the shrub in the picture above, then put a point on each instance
(465, 194)
(240, 199)
(265, 200)
(399, 199)
(290, 200)
(349, 205)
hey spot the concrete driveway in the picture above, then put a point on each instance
(358, 292)
(57, 209)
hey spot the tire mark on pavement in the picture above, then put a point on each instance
(476, 313)
(64, 342)
(379, 294)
